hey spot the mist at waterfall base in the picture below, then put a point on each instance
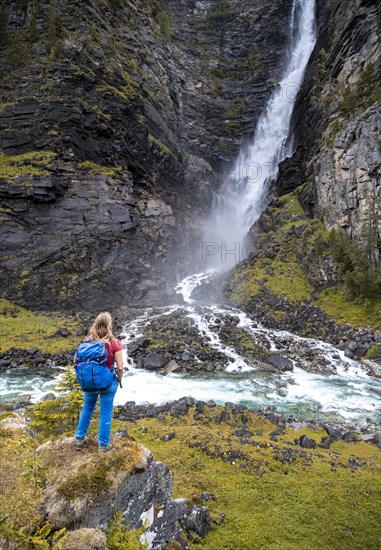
(244, 191)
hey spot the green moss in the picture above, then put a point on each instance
(126, 92)
(374, 352)
(286, 279)
(89, 480)
(163, 148)
(335, 302)
(28, 165)
(277, 504)
(24, 329)
(99, 169)
(5, 105)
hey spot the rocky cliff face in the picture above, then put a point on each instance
(115, 116)
(337, 123)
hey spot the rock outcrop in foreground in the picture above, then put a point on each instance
(83, 490)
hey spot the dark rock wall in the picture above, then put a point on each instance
(337, 119)
(116, 121)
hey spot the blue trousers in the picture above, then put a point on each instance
(106, 402)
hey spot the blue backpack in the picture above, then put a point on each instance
(90, 366)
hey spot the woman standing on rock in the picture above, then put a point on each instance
(101, 330)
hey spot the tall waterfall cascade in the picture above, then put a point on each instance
(244, 192)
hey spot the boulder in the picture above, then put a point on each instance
(85, 539)
(154, 360)
(281, 363)
(305, 442)
(85, 489)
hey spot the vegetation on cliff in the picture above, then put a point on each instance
(297, 260)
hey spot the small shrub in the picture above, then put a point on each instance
(57, 416)
(18, 52)
(119, 537)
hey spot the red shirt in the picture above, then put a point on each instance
(114, 346)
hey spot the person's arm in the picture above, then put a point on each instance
(119, 365)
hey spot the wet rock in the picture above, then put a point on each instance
(188, 400)
(281, 363)
(207, 497)
(154, 361)
(200, 407)
(169, 436)
(223, 416)
(242, 432)
(326, 442)
(336, 432)
(165, 527)
(179, 408)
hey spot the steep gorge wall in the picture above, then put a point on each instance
(115, 117)
(337, 122)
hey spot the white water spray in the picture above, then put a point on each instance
(244, 192)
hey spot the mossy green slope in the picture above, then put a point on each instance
(297, 260)
(21, 328)
(273, 494)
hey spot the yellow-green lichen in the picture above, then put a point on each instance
(163, 148)
(28, 165)
(95, 168)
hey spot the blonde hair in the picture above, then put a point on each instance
(101, 329)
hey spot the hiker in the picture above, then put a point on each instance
(101, 331)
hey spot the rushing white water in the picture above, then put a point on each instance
(347, 395)
(244, 192)
(344, 395)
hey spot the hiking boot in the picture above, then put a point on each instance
(104, 448)
(79, 444)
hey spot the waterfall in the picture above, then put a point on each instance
(245, 191)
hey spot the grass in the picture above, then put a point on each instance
(272, 494)
(34, 163)
(302, 503)
(99, 169)
(21, 328)
(335, 303)
(302, 251)
(21, 492)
